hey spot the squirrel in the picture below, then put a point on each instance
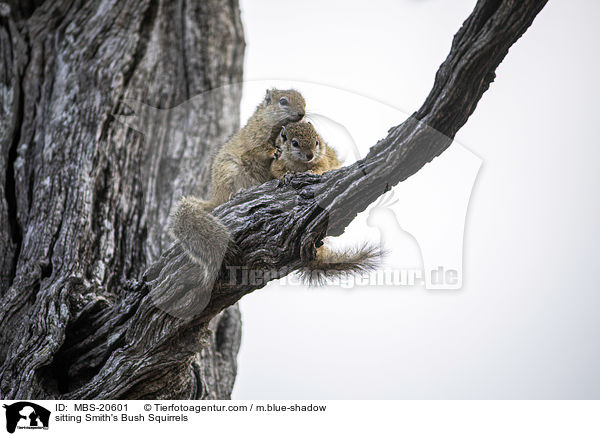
(302, 149)
(243, 161)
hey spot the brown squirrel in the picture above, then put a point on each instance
(302, 149)
(244, 161)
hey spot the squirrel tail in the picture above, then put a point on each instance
(204, 238)
(330, 264)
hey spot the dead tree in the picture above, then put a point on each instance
(95, 301)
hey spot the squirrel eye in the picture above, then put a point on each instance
(295, 143)
(283, 101)
(317, 143)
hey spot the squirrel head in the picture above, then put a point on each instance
(283, 106)
(300, 142)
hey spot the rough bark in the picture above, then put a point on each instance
(84, 199)
(141, 340)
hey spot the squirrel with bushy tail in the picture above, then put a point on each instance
(264, 149)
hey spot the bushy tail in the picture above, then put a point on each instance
(204, 238)
(330, 264)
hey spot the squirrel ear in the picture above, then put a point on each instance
(269, 96)
(283, 134)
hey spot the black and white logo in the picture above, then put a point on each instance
(26, 415)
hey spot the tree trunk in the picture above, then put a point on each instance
(84, 200)
(90, 309)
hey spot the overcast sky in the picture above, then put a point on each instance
(525, 322)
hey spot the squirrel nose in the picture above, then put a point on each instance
(309, 156)
(300, 114)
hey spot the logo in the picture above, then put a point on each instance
(26, 415)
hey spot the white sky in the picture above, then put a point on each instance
(525, 323)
